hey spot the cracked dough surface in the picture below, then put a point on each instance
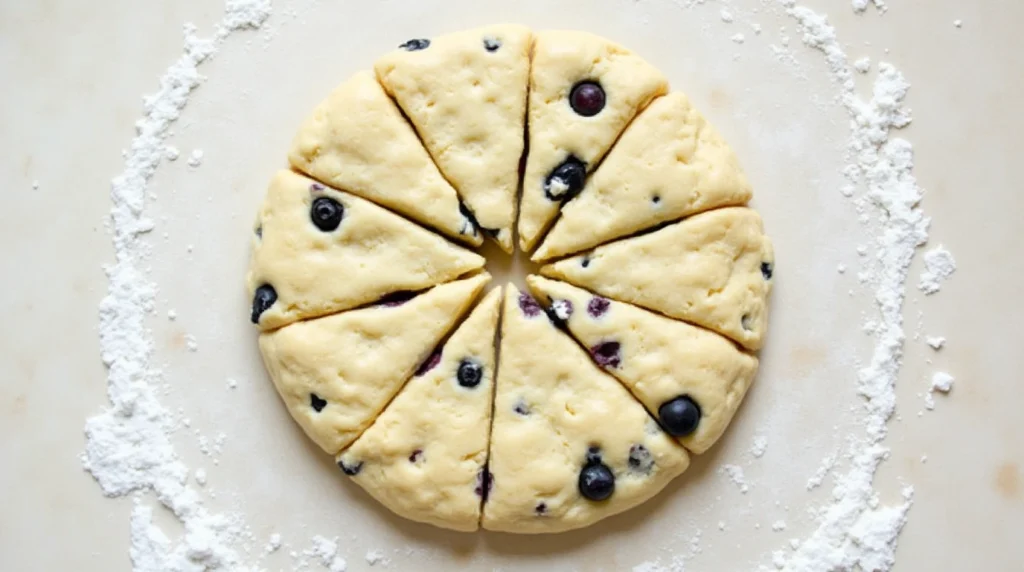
(657, 358)
(361, 300)
(423, 457)
(466, 96)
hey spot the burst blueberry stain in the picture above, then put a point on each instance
(350, 469)
(640, 459)
(680, 416)
(326, 213)
(521, 408)
(767, 268)
(566, 180)
(262, 300)
(416, 456)
(541, 508)
(656, 199)
(470, 373)
(597, 306)
(415, 45)
(529, 306)
(430, 363)
(484, 482)
(492, 44)
(587, 98)
(562, 309)
(317, 402)
(607, 354)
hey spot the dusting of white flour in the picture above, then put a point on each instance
(128, 449)
(938, 266)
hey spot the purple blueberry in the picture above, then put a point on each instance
(587, 98)
(415, 44)
(317, 402)
(350, 469)
(262, 300)
(326, 213)
(470, 373)
(416, 456)
(541, 508)
(484, 483)
(562, 309)
(492, 44)
(430, 363)
(529, 306)
(640, 459)
(680, 416)
(596, 482)
(521, 408)
(767, 268)
(566, 180)
(597, 306)
(607, 354)
(396, 299)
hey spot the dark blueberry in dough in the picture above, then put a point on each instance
(522, 408)
(585, 261)
(656, 199)
(259, 231)
(416, 456)
(597, 482)
(326, 213)
(415, 44)
(587, 98)
(262, 300)
(470, 373)
(541, 508)
(766, 270)
(350, 470)
(566, 180)
(430, 363)
(529, 306)
(395, 299)
(593, 454)
(317, 402)
(492, 44)
(562, 309)
(484, 482)
(680, 416)
(746, 323)
(640, 459)
(607, 354)
(597, 306)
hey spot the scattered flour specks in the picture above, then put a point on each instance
(171, 153)
(759, 446)
(735, 474)
(273, 543)
(325, 550)
(739, 38)
(374, 557)
(936, 342)
(863, 65)
(196, 158)
(938, 266)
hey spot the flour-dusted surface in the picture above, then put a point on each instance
(788, 133)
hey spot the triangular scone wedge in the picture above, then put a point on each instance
(357, 140)
(300, 271)
(713, 269)
(668, 164)
(424, 457)
(558, 134)
(466, 95)
(337, 373)
(560, 422)
(659, 359)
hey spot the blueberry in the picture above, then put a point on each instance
(679, 416)
(562, 309)
(492, 44)
(317, 402)
(484, 483)
(766, 270)
(262, 301)
(566, 180)
(585, 261)
(587, 98)
(395, 299)
(259, 231)
(656, 199)
(470, 373)
(431, 362)
(521, 408)
(640, 459)
(326, 213)
(416, 456)
(597, 306)
(350, 470)
(529, 306)
(607, 354)
(541, 508)
(597, 482)
(415, 44)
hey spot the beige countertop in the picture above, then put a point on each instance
(73, 75)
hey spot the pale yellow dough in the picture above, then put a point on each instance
(659, 359)
(373, 252)
(357, 361)
(424, 457)
(356, 140)
(561, 59)
(552, 405)
(706, 269)
(669, 163)
(468, 104)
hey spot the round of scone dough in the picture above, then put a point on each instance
(424, 457)
(515, 412)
